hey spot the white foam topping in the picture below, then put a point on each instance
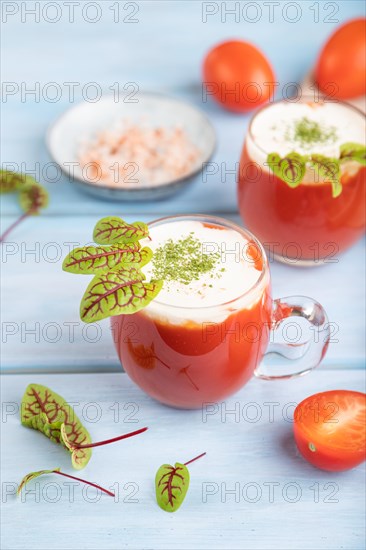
(233, 274)
(273, 128)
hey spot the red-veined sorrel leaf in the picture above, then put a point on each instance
(57, 471)
(95, 259)
(33, 475)
(32, 198)
(353, 151)
(11, 181)
(79, 457)
(44, 410)
(290, 169)
(171, 484)
(119, 286)
(117, 292)
(76, 450)
(113, 230)
(328, 169)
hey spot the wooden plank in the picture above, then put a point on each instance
(34, 290)
(40, 303)
(247, 453)
(169, 64)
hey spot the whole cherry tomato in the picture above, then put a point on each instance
(329, 429)
(341, 67)
(238, 76)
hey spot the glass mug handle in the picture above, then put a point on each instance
(302, 349)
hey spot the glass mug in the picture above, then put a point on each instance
(184, 357)
(305, 225)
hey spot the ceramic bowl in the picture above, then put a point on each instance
(82, 122)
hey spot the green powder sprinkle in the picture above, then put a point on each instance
(183, 261)
(307, 132)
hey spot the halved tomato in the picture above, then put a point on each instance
(330, 429)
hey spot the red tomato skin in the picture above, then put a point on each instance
(328, 455)
(343, 61)
(233, 65)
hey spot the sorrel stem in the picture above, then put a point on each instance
(106, 441)
(193, 459)
(86, 482)
(13, 225)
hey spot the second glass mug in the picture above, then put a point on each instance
(304, 226)
(184, 357)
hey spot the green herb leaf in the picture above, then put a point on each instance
(10, 181)
(44, 410)
(353, 151)
(329, 169)
(26, 479)
(33, 475)
(95, 259)
(32, 198)
(112, 230)
(290, 169)
(79, 457)
(171, 485)
(119, 286)
(117, 292)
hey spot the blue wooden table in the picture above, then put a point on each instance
(158, 46)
